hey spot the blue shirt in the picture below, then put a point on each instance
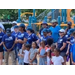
(32, 38)
(72, 40)
(9, 41)
(55, 33)
(72, 50)
(1, 36)
(60, 43)
(21, 36)
(43, 38)
(15, 34)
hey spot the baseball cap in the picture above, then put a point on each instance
(8, 31)
(69, 23)
(22, 25)
(44, 23)
(29, 28)
(15, 26)
(14, 22)
(62, 30)
(45, 30)
(48, 30)
(53, 21)
(71, 31)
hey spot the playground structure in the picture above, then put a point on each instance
(61, 15)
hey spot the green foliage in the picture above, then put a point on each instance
(12, 14)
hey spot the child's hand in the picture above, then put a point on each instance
(67, 52)
(19, 54)
(22, 55)
(30, 61)
(46, 62)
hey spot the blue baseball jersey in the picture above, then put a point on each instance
(9, 41)
(55, 33)
(43, 38)
(60, 43)
(15, 34)
(1, 36)
(32, 38)
(21, 36)
(72, 50)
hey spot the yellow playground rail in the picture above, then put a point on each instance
(27, 13)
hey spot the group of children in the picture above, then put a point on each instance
(54, 46)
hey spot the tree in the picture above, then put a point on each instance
(12, 14)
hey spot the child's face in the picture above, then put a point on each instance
(23, 47)
(16, 29)
(56, 52)
(52, 48)
(44, 33)
(49, 34)
(42, 44)
(27, 48)
(33, 45)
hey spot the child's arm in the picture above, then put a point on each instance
(19, 54)
(29, 56)
(34, 57)
(68, 49)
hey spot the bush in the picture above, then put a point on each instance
(7, 26)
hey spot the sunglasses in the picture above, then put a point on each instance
(60, 32)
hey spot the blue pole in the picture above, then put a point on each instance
(52, 13)
(30, 20)
(62, 11)
(45, 18)
(19, 18)
(64, 15)
(74, 19)
(34, 12)
(59, 20)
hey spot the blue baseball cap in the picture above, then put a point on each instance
(44, 23)
(8, 31)
(16, 27)
(45, 30)
(29, 28)
(22, 25)
(71, 31)
(48, 30)
(69, 23)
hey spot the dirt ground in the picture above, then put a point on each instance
(10, 61)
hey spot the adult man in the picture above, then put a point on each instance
(55, 30)
(44, 25)
(13, 24)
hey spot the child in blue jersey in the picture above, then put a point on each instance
(1, 45)
(9, 43)
(15, 33)
(31, 35)
(72, 51)
(49, 33)
(45, 36)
